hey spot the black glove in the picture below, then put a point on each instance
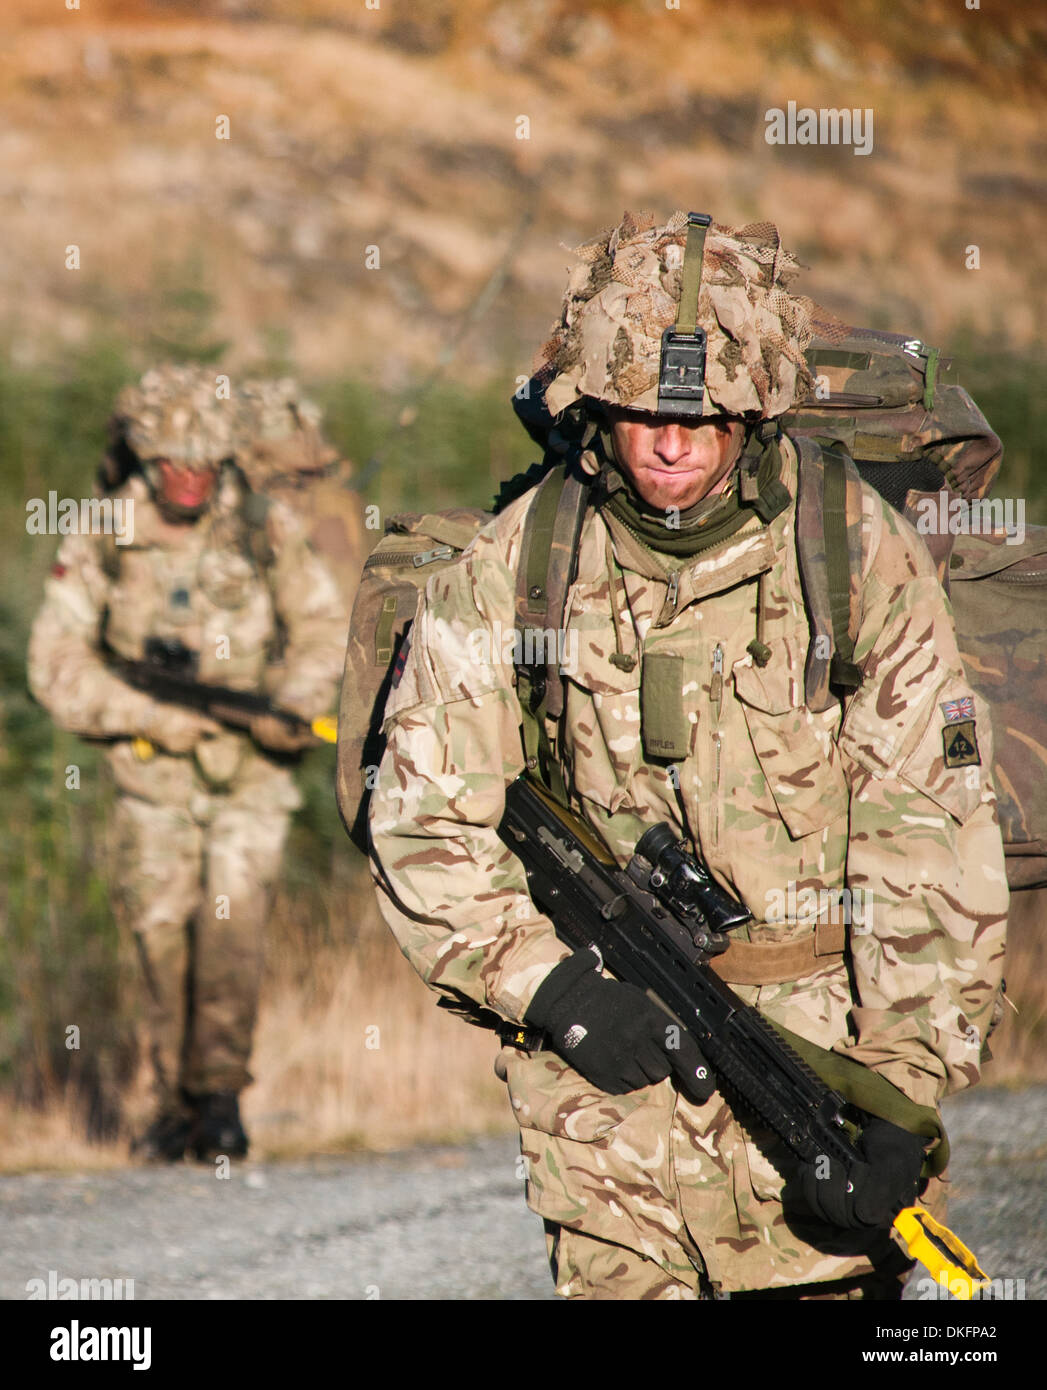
(613, 1034)
(881, 1185)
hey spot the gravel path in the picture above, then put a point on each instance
(446, 1223)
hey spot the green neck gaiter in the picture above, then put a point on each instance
(709, 521)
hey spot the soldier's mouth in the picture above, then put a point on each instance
(674, 475)
(186, 488)
(186, 495)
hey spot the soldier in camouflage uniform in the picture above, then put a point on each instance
(685, 648)
(203, 810)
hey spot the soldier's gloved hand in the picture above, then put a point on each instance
(178, 730)
(278, 736)
(885, 1182)
(613, 1034)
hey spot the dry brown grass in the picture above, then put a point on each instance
(350, 1053)
(51, 1138)
(360, 1057)
(353, 127)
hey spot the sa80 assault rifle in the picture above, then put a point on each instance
(169, 673)
(656, 925)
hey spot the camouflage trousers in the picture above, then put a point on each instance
(195, 890)
(584, 1266)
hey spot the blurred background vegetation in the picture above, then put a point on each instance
(374, 128)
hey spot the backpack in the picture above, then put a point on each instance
(910, 435)
(915, 439)
(307, 476)
(929, 451)
(999, 599)
(880, 395)
(414, 547)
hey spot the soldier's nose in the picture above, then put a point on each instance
(671, 443)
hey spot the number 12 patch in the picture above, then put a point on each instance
(961, 744)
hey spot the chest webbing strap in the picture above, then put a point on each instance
(546, 568)
(829, 550)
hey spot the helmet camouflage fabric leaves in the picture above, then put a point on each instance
(625, 291)
(174, 413)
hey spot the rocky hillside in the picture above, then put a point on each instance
(456, 138)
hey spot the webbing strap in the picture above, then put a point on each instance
(256, 508)
(869, 1091)
(843, 671)
(833, 357)
(545, 569)
(687, 312)
(877, 448)
(538, 543)
(560, 569)
(930, 376)
(383, 633)
(110, 556)
(539, 755)
(829, 551)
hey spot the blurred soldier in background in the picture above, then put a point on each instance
(223, 577)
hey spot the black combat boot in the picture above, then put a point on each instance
(166, 1138)
(217, 1130)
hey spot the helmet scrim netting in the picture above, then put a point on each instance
(624, 292)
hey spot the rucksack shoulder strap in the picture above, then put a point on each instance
(829, 548)
(256, 507)
(546, 568)
(109, 556)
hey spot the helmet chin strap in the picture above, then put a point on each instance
(758, 434)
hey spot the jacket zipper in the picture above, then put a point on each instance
(674, 589)
(716, 699)
(409, 557)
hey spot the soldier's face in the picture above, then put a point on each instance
(185, 489)
(671, 464)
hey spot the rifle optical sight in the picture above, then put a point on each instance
(684, 884)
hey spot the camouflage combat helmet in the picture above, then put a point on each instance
(691, 319)
(174, 413)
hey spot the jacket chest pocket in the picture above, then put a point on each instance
(228, 580)
(795, 748)
(601, 726)
(153, 596)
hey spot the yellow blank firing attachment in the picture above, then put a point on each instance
(325, 728)
(941, 1252)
